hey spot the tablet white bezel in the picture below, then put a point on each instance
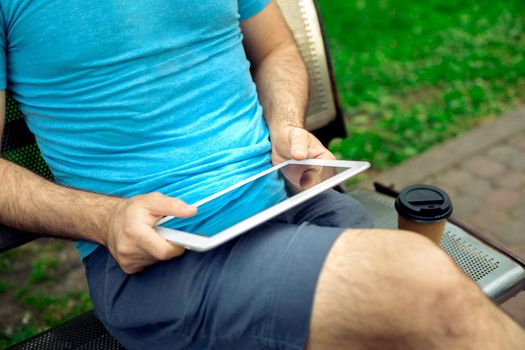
(203, 243)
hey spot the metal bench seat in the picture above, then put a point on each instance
(84, 332)
(500, 276)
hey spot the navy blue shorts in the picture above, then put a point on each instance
(254, 292)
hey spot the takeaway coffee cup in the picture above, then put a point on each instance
(423, 209)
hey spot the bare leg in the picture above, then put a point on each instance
(384, 289)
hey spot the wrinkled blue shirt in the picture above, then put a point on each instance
(131, 97)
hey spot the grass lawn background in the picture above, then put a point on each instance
(409, 74)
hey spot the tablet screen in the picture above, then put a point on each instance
(229, 207)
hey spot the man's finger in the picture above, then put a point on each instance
(158, 247)
(318, 151)
(162, 205)
(298, 139)
(311, 177)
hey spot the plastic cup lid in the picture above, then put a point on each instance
(423, 203)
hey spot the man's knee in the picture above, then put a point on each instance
(391, 251)
(397, 279)
(402, 261)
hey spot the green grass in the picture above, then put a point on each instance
(19, 333)
(42, 267)
(4, 286)
(28, 287)
(412, 74)
(44, 311)
(55, 310)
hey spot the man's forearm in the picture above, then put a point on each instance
(31, 203)
(282, 85)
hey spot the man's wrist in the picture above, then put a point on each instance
(276, 127)
(108, 209)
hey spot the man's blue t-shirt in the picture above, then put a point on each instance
(131, 97)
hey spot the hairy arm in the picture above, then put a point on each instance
(31, 203)
(282, 85)
(278, 69)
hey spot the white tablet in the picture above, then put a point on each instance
(303, 180)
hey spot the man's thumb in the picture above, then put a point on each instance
(298, 139)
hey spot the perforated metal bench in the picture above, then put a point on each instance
(498, 273)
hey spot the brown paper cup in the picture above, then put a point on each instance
(423, 209)
(433, 231)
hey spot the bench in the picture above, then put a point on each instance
(497, 272)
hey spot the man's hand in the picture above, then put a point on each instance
(291, 142)
(131, 238)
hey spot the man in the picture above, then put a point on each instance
(129, 99)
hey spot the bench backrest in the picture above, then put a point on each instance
(18, 143)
